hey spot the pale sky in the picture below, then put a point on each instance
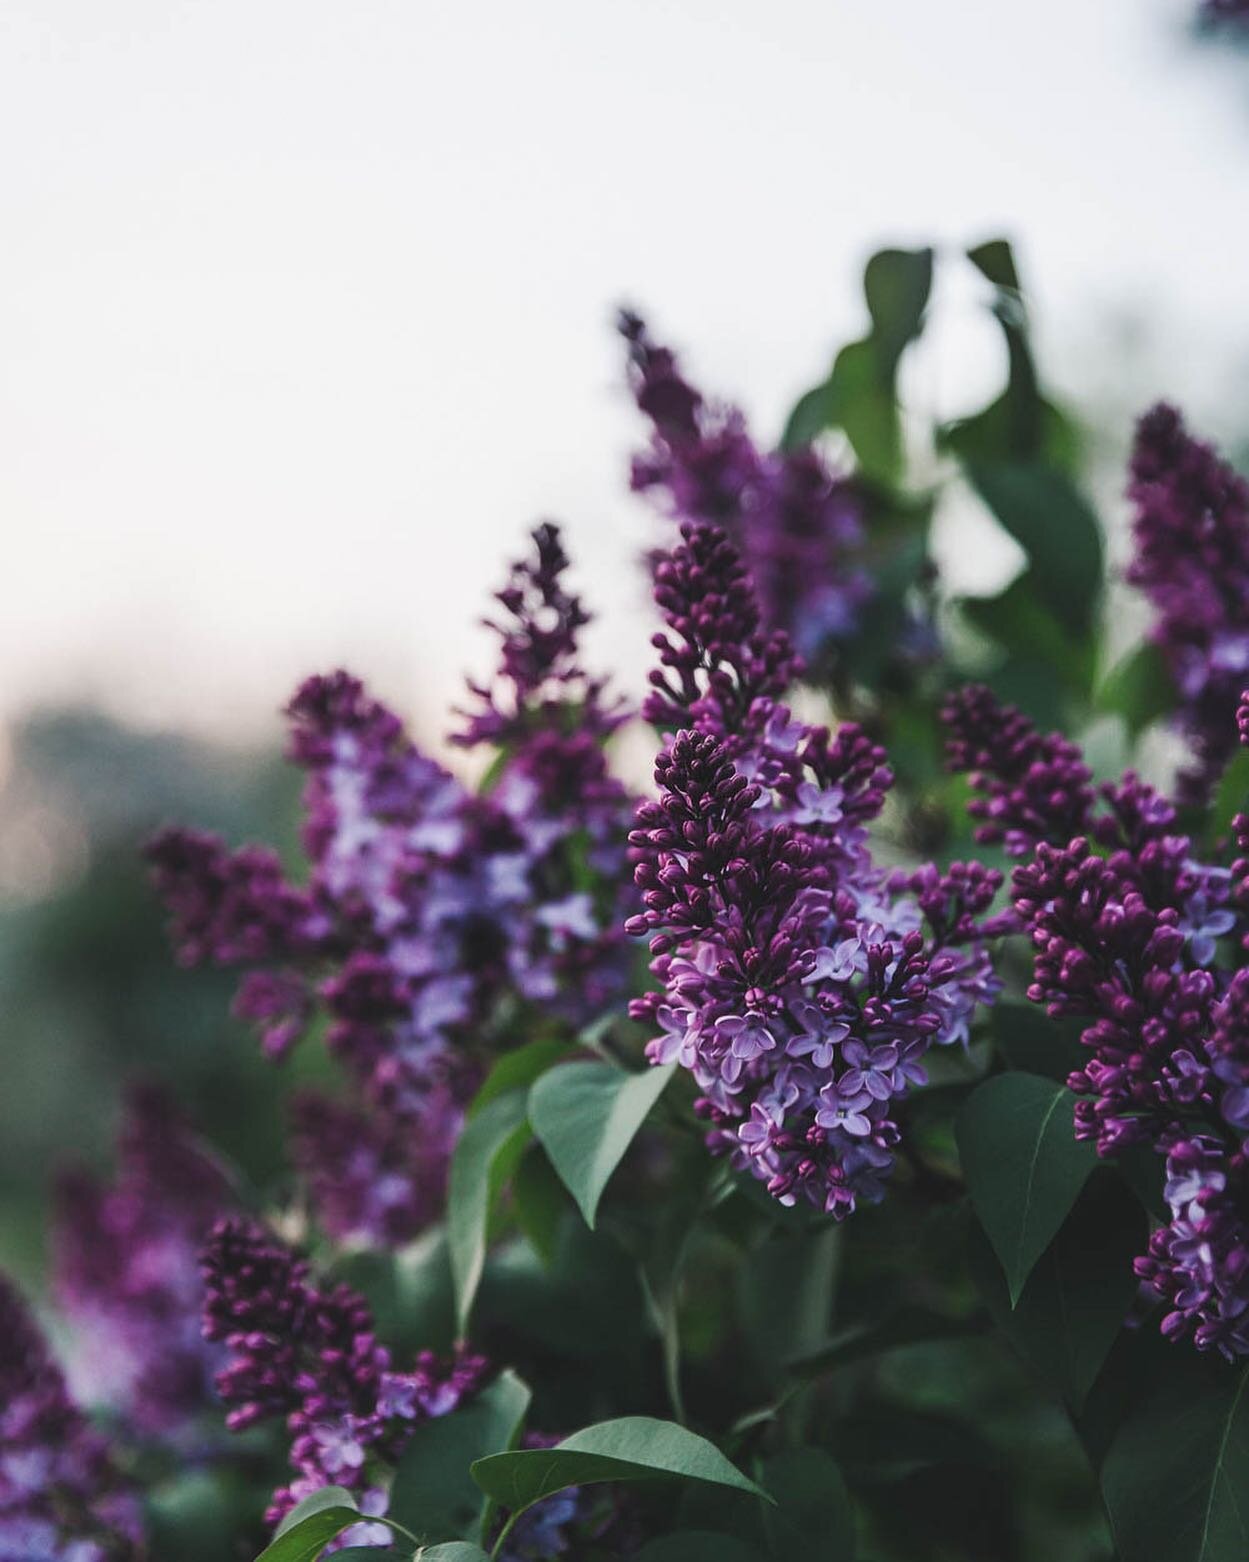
(305, 307)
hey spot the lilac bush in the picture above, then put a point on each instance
(915, 957)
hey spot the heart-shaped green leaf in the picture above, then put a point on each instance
(586, 1116)
(633, 1448)
(1024, 1168)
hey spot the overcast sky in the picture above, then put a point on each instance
(305, 307)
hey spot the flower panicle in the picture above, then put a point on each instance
(310, 1355)
(1191, 560)
(797, 522)
(796, 981)
(61, 1492)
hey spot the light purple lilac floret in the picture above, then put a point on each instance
(1128, 927)
(61, 1496)
(796, 522)
(126, 1273)
(309, 1356)
(425, 906)
(1191, 559)
(797, 981)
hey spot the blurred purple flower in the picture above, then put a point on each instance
(61, 1497)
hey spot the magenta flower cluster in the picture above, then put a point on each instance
(62, 1498)
(309, 1355)
(426, 905)
(126, 1274)
(796, 522)
(1191, 559)
(1128, 927)
(800, 983)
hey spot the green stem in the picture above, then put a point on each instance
(497, 1548)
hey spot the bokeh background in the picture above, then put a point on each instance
(305, 316)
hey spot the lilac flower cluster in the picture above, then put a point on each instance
(126, 1272)
(797, 982)
(1033, 786)
(426, 905)
(1127, 934)
(61, 1496)
(310, 1356)
(1191, 533)
(797, 523)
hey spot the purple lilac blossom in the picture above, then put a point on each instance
(797, 523)
(796, 981)
(1032, 786)
(309, 1356)
(1127, 935)
(1226, 10)
(425, 905)
(61, 1496)
(1191, 534)
(126, 1272)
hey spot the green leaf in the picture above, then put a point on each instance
(310, 1526)
(1079, 1292)
(860, 394)
(1023, 1166)
(907, 1326)
(1019, 621)
(785, 1292)
(633, 1448)
(896, 284)
(484, 1158)
(1050, 519)
(326, 1497)
(1031, 1041)
(1231, 797)
(540, 1202)
(1139, 688)
(433, 1494)
(517, 1069)
(453, 1551)
(695, 1545)
(1021, 424)
(995, 260)
(1176, 1477)
(813, 1518)
(586, 1116)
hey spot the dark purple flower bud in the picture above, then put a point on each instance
(1033, 787)
(539, 674)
